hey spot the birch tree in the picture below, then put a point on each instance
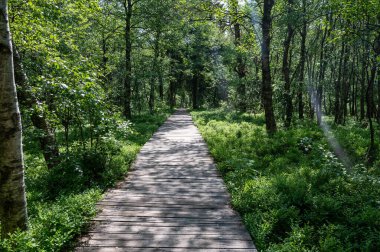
(12, 190)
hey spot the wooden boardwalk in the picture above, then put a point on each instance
(172, 200)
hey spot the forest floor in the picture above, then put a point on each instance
(172, 200)
(291, 190)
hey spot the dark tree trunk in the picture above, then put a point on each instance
(376, 48)
(302, 65)
(172, 93)
(286, 70)
(363, 89)
(321, 77)
(104, 55)
(195, 90)
(155, 72)
(378, 95)
(27, 99)
(267, 92)
(338, 88)
(354, 81)
(345, 88)
(160, 84)
(158, 69)
(240, 65)
(128, 58)
(151, 96)
(175, 77)
(312, 89)
(371, 154)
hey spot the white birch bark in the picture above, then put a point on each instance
(12, 188)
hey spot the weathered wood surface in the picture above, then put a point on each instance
(172, 200)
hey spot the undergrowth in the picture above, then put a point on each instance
(61, 201)
(290, 189)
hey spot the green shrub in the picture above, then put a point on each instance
(54, 225)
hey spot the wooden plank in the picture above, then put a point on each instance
(208, 214)
(190, 193)
(175, 243)
(133, 229)
(180, 235)
(136, 205)
(117, 249)
(179, 220)
(176, 183)
(200, 197)
(178, 195)
(211, 183)
(167, 223)
(174, 174)
(172, 177)
(154, 202)
(173, 190)
(170, 209)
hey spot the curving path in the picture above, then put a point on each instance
(172, 200)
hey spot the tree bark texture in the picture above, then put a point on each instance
(128, 58)
(371, 153)
(13, 212)
(195, 90)
(301, 79)
(155, 73)
(240, 67)
(267, 91)
(174, 79)
(286, 69)
(26, 98)
(338, 87)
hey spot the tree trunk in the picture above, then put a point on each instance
(301, 79)
(371, 153)
(128, 58)
(151, 96)
(152, 91)
(378, 95)
(13, 213)
(240, 65)
(154, 73)
(286, 70)
(338, 87)
(160, 78)
(174, 79)
(195, 90)
(104, 57)
(362, 88)
(321, 77)
(267, 92)
(345, 87)
(172, 93)
(48, 143)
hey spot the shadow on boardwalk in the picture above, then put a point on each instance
(172, 200)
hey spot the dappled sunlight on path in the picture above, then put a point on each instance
(172, 200)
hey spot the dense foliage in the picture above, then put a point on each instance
(291, 190)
